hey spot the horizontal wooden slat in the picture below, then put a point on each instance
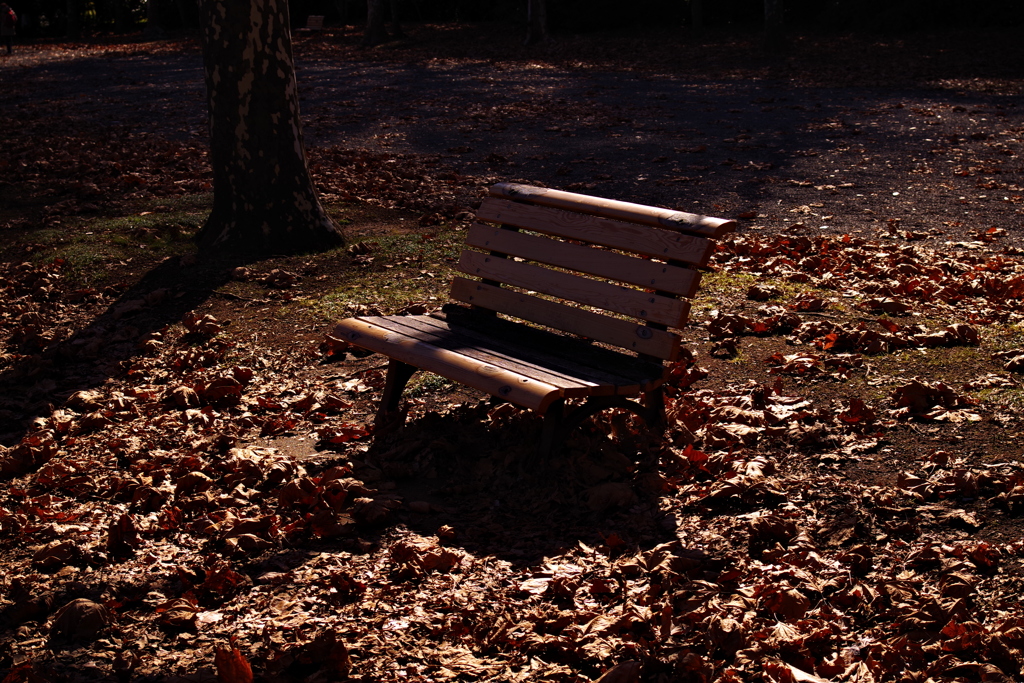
(611, 208)
(638, 239)
(606, 264)
(511, 386)
(437, 333)
(577, 356)
(651, 307)
(622, 333)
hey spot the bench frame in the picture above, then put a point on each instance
(638, 262)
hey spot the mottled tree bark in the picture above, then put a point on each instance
(263, 196)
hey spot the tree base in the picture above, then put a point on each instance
(268, 237)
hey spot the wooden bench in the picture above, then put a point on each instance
(547, 258)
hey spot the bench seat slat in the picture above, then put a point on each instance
(528, 376)
(511, 386)
(638, 239)
(606, 264)
(622, 333)
(651, 307)
(438, 333)
(613, 208)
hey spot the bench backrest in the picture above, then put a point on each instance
(315, 22)
(637, 261)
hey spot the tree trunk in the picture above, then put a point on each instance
(773, 23)
(74, 27)
(536, 21)
(375, 32)
(263, 196)
(696, 16)
(154, 28)
(396, 19)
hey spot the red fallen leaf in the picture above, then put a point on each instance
(280, 279)
(222, 580)
(55, 555)
(331, 524)
(80, 619)
(726, 325)
(889, 325)
(178, 614)
(301, 492)
(808, 303)
(373, 510)
(206, 325)
(613, 540)
(986, 556)
(223, 389)
(857, 412)
(243, 374)
(693, 455)
(247, 545)
(965, 334)
(787, 602)
(342, 587)
(343, 433)
(184, 397)
(886, 305)
(193, 482)
(232, 666)
(122, 536)
(746, 215)
(626, 672)
(277, 426)
(828, 342)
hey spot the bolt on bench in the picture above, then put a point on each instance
(548, 258)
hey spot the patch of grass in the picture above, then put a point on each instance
(425, 383)
(397, 270)
(716, 287)
(92, 246)
(720, 287)
(1003, 337)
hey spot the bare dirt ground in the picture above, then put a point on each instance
(922, 130)
(188, 497)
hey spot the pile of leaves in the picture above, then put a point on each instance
(161, 521)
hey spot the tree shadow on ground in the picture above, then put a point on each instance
(103, 349)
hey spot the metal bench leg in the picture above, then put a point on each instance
(399, 374)
(654, 402)
(552, 433)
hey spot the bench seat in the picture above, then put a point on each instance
(526, 366)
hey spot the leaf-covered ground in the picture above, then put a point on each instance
(188, 491)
